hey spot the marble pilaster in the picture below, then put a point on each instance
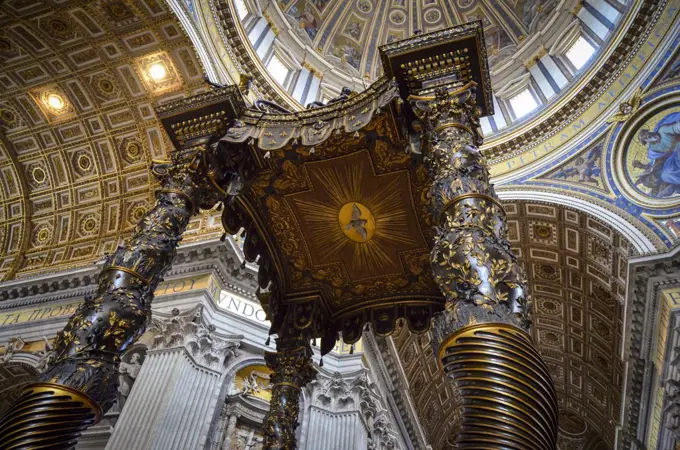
(173, 400)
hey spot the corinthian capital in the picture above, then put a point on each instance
(188, 331)
(447, 107)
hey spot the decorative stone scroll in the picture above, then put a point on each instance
(187, 330)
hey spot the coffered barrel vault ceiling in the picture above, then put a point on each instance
(577, 267)
(77, 126)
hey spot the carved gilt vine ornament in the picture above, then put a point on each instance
(481, 339)
(487, 315)
(471, 258)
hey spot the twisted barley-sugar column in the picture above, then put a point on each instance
(82, 381)
(292, 369)
(482, 338)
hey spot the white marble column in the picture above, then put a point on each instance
(345, 412)
(173, 401)
(335, 430)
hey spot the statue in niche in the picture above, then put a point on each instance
(252, 384)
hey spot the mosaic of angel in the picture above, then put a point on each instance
(661, 174)
(584, 169)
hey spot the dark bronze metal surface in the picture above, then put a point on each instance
(508, 398)
(87, 352)
(292, 370)
(482, 338)
(47, 416)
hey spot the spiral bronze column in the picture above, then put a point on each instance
(47, 415)
(292, 370)
(82, 380)
(482, 338)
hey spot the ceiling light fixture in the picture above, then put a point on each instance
(157, 71)
(55, 102)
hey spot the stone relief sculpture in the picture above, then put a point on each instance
(13, 345)
(46, 356)
(255, 383)
(128, 371)
(248, 440)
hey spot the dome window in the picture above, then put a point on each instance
(278, 70)
(241, 9)
(580, 52)
(523, 103)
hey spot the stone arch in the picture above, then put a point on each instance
(642, 243)
(14, 375)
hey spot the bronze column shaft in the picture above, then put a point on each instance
(82, 380)
(482, 338)
(292, 370)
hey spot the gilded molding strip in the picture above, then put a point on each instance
(454, 125)
(473, 195)
(184, 195)
(132, 272)
(284, 383)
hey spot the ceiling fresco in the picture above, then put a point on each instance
(631, 162)
(577, 268)
(337, 41)
(349, 33)
(79, 82)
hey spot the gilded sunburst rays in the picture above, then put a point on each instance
(381, 203)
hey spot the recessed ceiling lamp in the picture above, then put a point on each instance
(157, 71)
(55, 102)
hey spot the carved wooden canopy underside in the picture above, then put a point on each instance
(341, 227)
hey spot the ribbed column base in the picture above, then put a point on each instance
(47, 416)
(509, 401)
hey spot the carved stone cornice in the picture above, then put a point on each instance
(648, 277)
(210, 256)
(380, 347)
